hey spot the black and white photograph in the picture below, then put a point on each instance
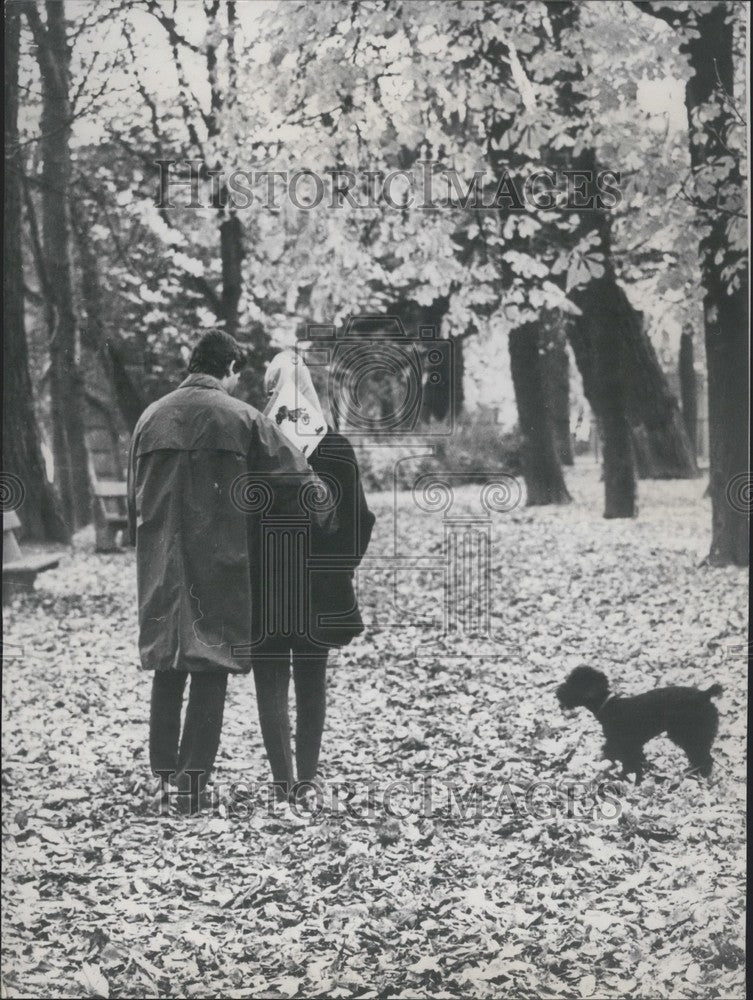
(376, 492)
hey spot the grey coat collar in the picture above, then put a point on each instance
(198, 380)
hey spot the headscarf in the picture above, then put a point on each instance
(293, 402)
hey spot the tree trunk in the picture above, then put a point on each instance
(643, 454)
(659, 441)
(726, 319)
(650, 402)
(458, 373)
(437, 394)
(66, 382)
(688, 389)
(556, 364)
(127, 397)
(231, 252)
(22, 457)
(619, 477)
(708, 39)
(597, 342)
(131, 401)
(542, 469)
(637, 391)
(541, 466)
(656, 434)
(725, 309)
(595, 335)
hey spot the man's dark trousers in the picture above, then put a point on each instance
(186, 762)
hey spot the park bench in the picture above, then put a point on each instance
(110, 513)
(20, 568)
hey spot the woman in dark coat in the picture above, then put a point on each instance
(327, 597)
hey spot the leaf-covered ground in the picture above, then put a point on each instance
(455, 896)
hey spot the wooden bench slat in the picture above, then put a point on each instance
(11, 548)
(20, 568)
(10, 520)
(110, 488)
(114, 506)
(31, 563)
(110, 513)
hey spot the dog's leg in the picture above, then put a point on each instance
(639, 769)
(632, 763)
(700, 763)
(695, 735)
(697, 749)
(626, 755)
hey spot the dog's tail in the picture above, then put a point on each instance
(714, 691)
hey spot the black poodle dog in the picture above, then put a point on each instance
(685, 714)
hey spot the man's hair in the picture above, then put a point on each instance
(215, 353)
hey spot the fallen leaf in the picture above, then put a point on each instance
(587, 986)
(92, 980)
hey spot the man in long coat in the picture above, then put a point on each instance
(198, 459)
